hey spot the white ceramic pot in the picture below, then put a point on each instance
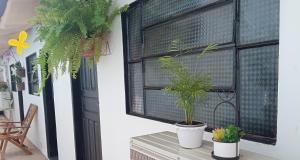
(190, 136)
(226, 150)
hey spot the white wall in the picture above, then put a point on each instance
(289, 78)
(64, 117)
(37, 132)
(117, 127)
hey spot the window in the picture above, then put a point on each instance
(32, 75)
(244, 69)
(12, 78)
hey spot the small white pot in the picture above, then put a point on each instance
(190, 136)
(226, 150)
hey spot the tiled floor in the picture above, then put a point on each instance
(14, 153)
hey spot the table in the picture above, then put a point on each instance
(164, 146)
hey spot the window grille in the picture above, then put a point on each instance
(244, 68)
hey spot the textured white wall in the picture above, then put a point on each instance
(64, 117)
(117, 127)
(289, 78)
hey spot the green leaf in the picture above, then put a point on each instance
(186, 86)
(63, 24)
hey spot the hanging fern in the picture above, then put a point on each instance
(64, 24)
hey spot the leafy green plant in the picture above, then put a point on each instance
(65, 25)
(229, 134)
(19, 70)
(20, 85)
(18, 65)
(17, 78)
(218, 134)
(187, 87)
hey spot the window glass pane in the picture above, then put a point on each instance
(219, 65)
(194, 30)
(259, 20)
(162, 105)
(134, 33)
(254, 79)
(35, 82)
(136, 88)
(225, 114)
(158, 10)
(258, 90)
(12, 78)
(154, 75)
(32, 75)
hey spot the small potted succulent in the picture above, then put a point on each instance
(188, 88)
(20, 71)
(226, 142)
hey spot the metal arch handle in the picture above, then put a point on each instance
(236, 116)
(218, 105)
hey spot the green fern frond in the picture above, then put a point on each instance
(64, 24)
(186, 86)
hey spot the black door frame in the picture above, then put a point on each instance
(76, 100)
(21, 105)
(50, 120)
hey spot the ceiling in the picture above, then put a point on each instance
(14, 17)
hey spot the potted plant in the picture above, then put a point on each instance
(19, 83)
(226, 142)
(72, 29)
(20, 71)
(188, 88)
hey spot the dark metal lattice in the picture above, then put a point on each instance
(258, 94)
(193, 31)
(246, 62)
(259, 20)
(162, 105)
(134, 29)
(158, 10)
(219, 65)
(136, 88)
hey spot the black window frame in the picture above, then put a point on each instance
(32, 86)
(234, 44)
(13, 82)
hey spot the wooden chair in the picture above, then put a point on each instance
(15, 132)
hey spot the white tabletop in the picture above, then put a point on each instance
(164, 146)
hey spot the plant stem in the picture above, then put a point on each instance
(186, 117)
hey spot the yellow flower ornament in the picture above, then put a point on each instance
(19, 44)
